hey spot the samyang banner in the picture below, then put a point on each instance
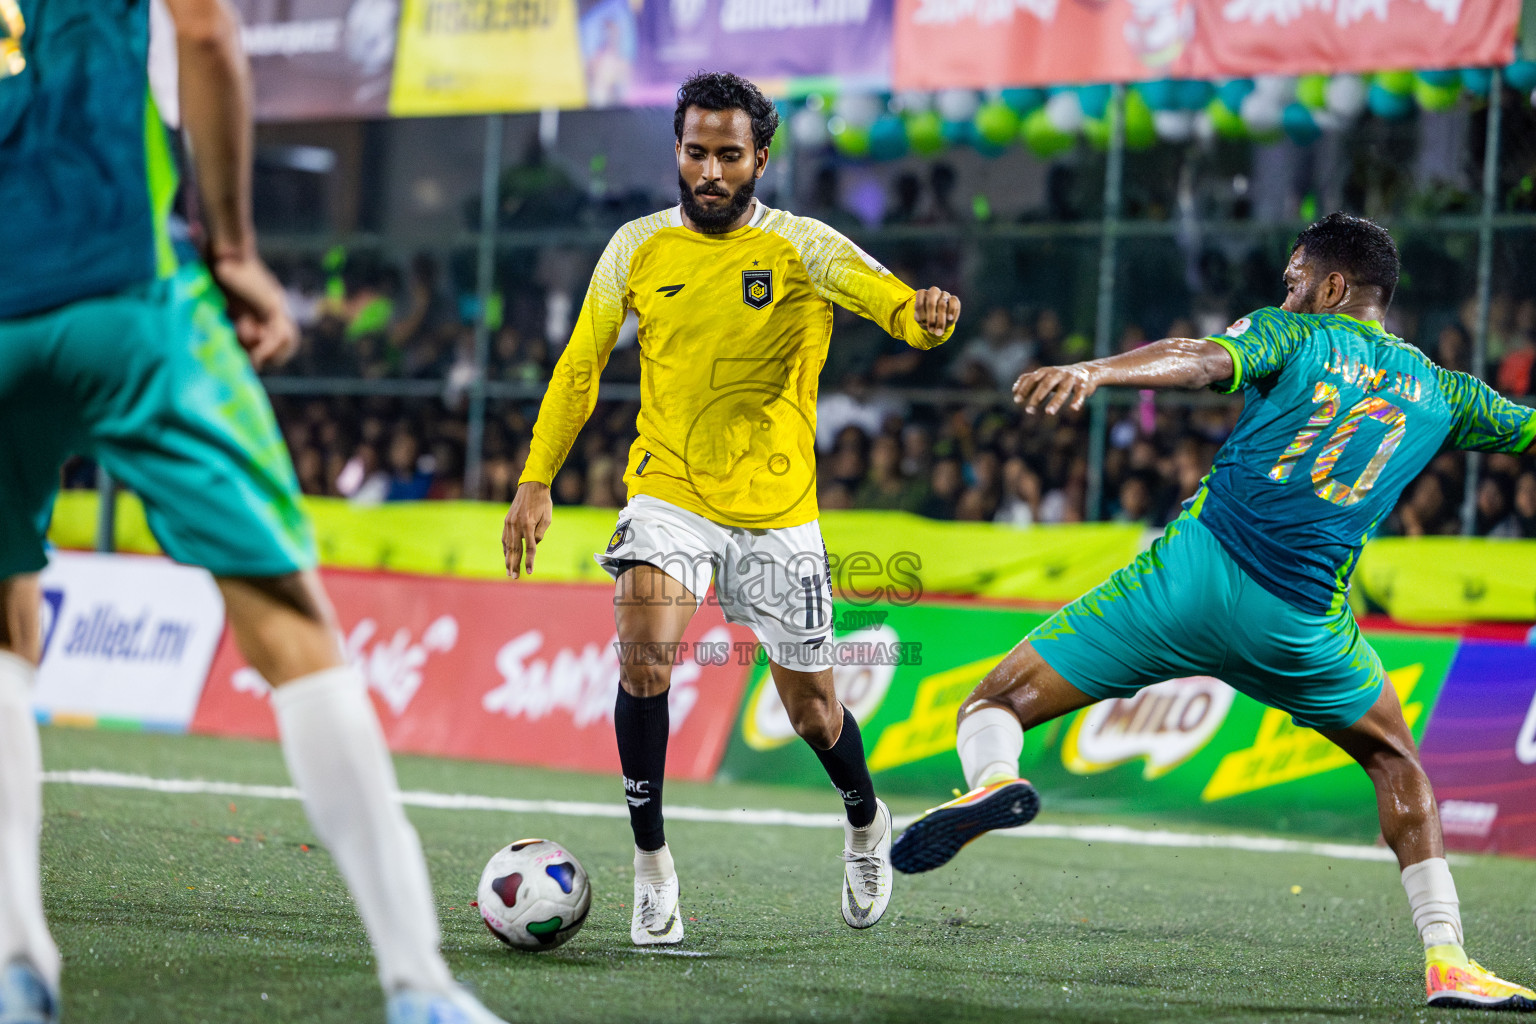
(484, 56)
(771, 42)
(320, 58)
(990, 43)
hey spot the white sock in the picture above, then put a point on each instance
(989, 743)
(862, 840)
(1432, 897)
(338, 759)
(23, 930)
(654, 866)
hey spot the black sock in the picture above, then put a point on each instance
(641, 725)
(849, 772)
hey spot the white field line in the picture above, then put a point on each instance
(1115, 834)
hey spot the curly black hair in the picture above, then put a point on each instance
(1360, 249)
(721, 90)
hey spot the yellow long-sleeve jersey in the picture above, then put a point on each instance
(733, 334)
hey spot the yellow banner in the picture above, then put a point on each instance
(1450, 579)
(483, 56)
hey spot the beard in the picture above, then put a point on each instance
(716, 220)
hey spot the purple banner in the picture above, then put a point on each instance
(314, 59)
(1480, 749)
(768, 41)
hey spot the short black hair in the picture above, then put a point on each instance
(1360, 249)
(721, 90)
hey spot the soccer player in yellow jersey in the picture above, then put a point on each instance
(735, 308)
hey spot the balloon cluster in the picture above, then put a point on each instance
(1050, 122)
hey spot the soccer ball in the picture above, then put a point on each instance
(534, 895)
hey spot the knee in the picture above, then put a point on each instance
(817, 718)
(645, 680)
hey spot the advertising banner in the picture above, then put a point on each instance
(987, 43)
(320, 58)
(127, 640)
(768, 41)
(497, 671)
(484, 56)
(1187, 748)
(1450, 579)
(1480, 750)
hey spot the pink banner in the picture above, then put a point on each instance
(990, 43)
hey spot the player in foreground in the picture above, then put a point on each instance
(734, 301)
(1248, 585)
(114, 344)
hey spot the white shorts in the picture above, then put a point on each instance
(777, 582)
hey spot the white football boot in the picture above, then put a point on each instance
(655, 920)
(867, 870)
(414, 1006)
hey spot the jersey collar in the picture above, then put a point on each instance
(759, 211)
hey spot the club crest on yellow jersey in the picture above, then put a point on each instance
(757, 287)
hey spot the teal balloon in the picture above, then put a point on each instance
(1388, 105)
(1441, 79)
(1161, 94)
(996, 123)
(987, 149)
(925, 133)
(1042, 137)
(1297, 122)
(1023, 101)
(888, 138)
(1521, 75)
(1231, 94)
(1193, 95)
(1312, 91)
(851, 141)
(1095, 99)
(1436, 97)
(1477, 81)
(958, 133)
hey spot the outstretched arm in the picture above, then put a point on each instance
(1171, 363)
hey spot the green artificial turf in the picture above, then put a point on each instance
(175, 908)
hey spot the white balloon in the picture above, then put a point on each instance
(1174, 125)
(1260, 113)
(858, 109)
(912, 101)
(809, 128)
(1205, 128)
(1327, 120)
(957, 104)
(1345, 96)
(1280, 88)
(1065, 112)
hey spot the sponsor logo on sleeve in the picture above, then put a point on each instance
(1240, 328)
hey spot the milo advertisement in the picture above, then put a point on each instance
(1190, 749)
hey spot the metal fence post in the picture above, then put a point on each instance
(1484, 281)
(485, 281)
(1103, 336)
(106, 511)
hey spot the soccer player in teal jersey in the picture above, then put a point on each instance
(1248, 585)
(116, 342)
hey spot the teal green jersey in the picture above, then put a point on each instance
(86, 175)
(1340, 417)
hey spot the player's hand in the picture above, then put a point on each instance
(936, 310)
(527, 521)
(1054, 387)
(257, 308)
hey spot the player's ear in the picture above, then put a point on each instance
(1335, 288)
(762, 162)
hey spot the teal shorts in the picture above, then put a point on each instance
(1184, 608)
(153, 385)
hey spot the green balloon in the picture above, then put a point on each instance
(1312, 91)
(1436, 97)
(925, 133)
(851, 141)
(1140, 129)
(1096, 131)
(1227, 122)
(1398, 83)
(1042, 138)
(997, 123)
